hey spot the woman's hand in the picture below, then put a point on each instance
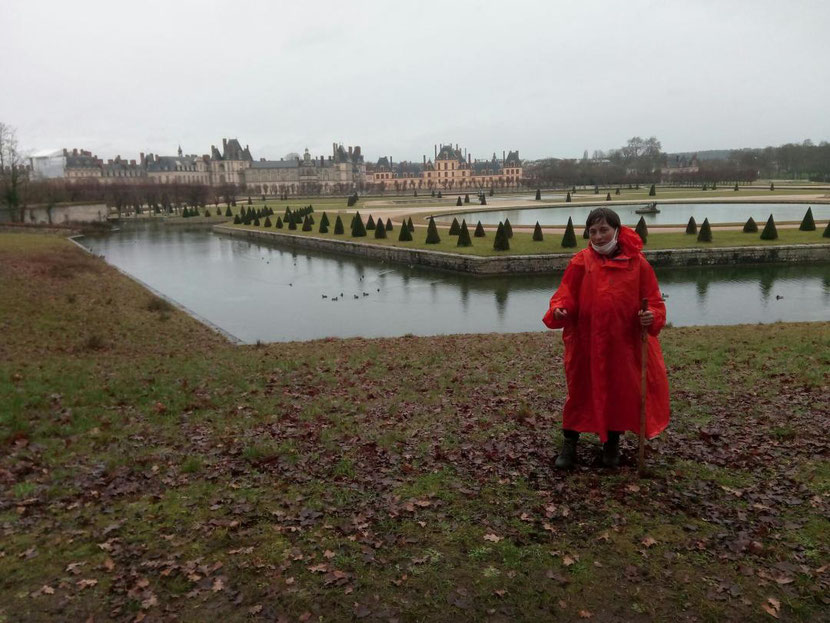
(646, 318)
(560, 313)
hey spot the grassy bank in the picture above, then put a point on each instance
(147, 468)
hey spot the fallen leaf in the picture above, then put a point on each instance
(255, 609)
(585, 614)
(218, 584)
(82, 584)
(568, 561)
(47, 590)
(329, 554)
(149, 602)
(109, 565)
(649, 541)
(492, 537)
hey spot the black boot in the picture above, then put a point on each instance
(611, 451)
(567, 458)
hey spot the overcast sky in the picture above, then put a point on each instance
(547, 77)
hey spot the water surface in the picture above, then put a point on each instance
(258, 292)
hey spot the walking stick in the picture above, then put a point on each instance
(641, 459)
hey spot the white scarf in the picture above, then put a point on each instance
(608, 247)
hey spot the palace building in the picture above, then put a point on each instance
(343, 171)
(450, 170)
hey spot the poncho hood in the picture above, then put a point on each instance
(629, 241)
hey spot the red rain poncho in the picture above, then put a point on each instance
(602, 341)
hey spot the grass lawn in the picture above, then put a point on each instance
(149, 469)
(522, 242)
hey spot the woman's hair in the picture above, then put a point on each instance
(603, 214)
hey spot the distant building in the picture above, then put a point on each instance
(450, 170)
(341, 172)
(679, 166)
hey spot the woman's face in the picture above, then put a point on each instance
(601, 233)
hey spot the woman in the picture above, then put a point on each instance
(598, 306)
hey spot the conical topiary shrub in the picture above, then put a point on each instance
(404, 235)
(324, 227)
(440, 196)
(279, 223)
(652, 191)
(569, 239)
(370, 224)
(458, 201)
(292, 221)
(228, 212)
(750, 227)
(380, 230)
(256, 222)
(501, 242)
(237, 220)
(537, 233)
(389, 224)
(508, 228)
(538, 194)
(770, 232)
(807, 223)
(772, 185)
(307, 223)
(617, 192)
(411, 226)
(432, 232)
(691, 226)
(826, 233)
(324, 220)
(358, 228)
(483, 200)
(608, 197)
(568, 197)
(464, 236)
(467, 198)
(287, 213)
(642, 229)
(338, 226)
(267, 221)
(736, 186)
(705, 234)
(455, 228)
(479, 232)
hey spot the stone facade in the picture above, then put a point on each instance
(344, 171)
(450, 170)
(341, 172)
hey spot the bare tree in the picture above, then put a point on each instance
(13, 174)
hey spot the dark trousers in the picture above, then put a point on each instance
(613, 435)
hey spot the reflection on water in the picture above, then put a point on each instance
(670, 214)
(257, 292)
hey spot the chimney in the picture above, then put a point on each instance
(132, 163)
(141, 156)
(456, 147)
(224, 144)
(469, 158)
(350, 151)
(436, 152)
(425, 158)
(503, 157)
